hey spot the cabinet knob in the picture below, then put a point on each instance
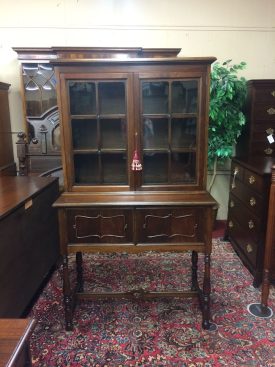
(251, 224)
(273, 93)
(269, 131)
(230, 224)
(252, 180)
(271, 111)
(252, 201)
(249, 248)
(231, 204)
(268, 151)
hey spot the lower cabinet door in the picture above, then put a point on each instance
(100, 226)
(174, 225)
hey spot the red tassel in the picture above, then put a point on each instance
(136, 165)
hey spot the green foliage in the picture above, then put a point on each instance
(226, 117)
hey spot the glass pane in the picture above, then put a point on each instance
(84, 134)
(155, 133)
(112, 97)
(113, 133)
(82, 98)
(183, 133)
(86, 169)
(183, 167)
(155, 168)
(184, 96)
(155, 97)
(114, 168)
(40, 88)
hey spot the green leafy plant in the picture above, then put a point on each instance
(226, 117)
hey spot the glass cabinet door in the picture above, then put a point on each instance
(169, 116)
(98, 118)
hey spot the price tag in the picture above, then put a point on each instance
(270, 139)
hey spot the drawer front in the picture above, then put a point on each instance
(263, 149)
(244, 241)
(247, 220)
(173, 225)
(264, 111)
(100, 226)
(265, 93)
(250, 198)
(254, 181)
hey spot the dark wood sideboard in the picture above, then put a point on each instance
(28, 239)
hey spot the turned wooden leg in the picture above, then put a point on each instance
(67, 295)
(79, 270)
(206, 293)
(194, 285)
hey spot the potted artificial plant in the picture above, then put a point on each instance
(226, 117)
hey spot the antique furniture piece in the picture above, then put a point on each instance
(262, 309)
(134, 126)
(259, 133)
(28, 239)
(14, 342)
(7, 164)
(251, 177)
(42, 134)
(247, 211)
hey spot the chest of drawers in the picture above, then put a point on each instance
(260, 115)
(247, 211)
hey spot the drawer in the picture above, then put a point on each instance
(250, 198)
(242, 239)
(173, 225)
(265, 94)
(263, 149)
(264, 111)
(246, 219)
(254, 181)
(100, 226)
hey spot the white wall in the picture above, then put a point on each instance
(239, 30)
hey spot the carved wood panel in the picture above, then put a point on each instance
(167, 225)
(100, 226)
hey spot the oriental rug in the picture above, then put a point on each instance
(161, 332)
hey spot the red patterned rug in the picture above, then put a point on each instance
(164, 332)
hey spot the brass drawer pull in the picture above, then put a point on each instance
(269, 131)
(252, 180)
(268, 151)
(273, 93)
(271, 111)
(249, 248)
(230, 224)
(235, 172)
(252, 201)
(251, 224)
(231, 204)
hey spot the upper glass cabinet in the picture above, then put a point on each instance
(169, 116)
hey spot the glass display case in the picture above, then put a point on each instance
(134, 152)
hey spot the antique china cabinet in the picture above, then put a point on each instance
(134, 126)
(39, 144)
